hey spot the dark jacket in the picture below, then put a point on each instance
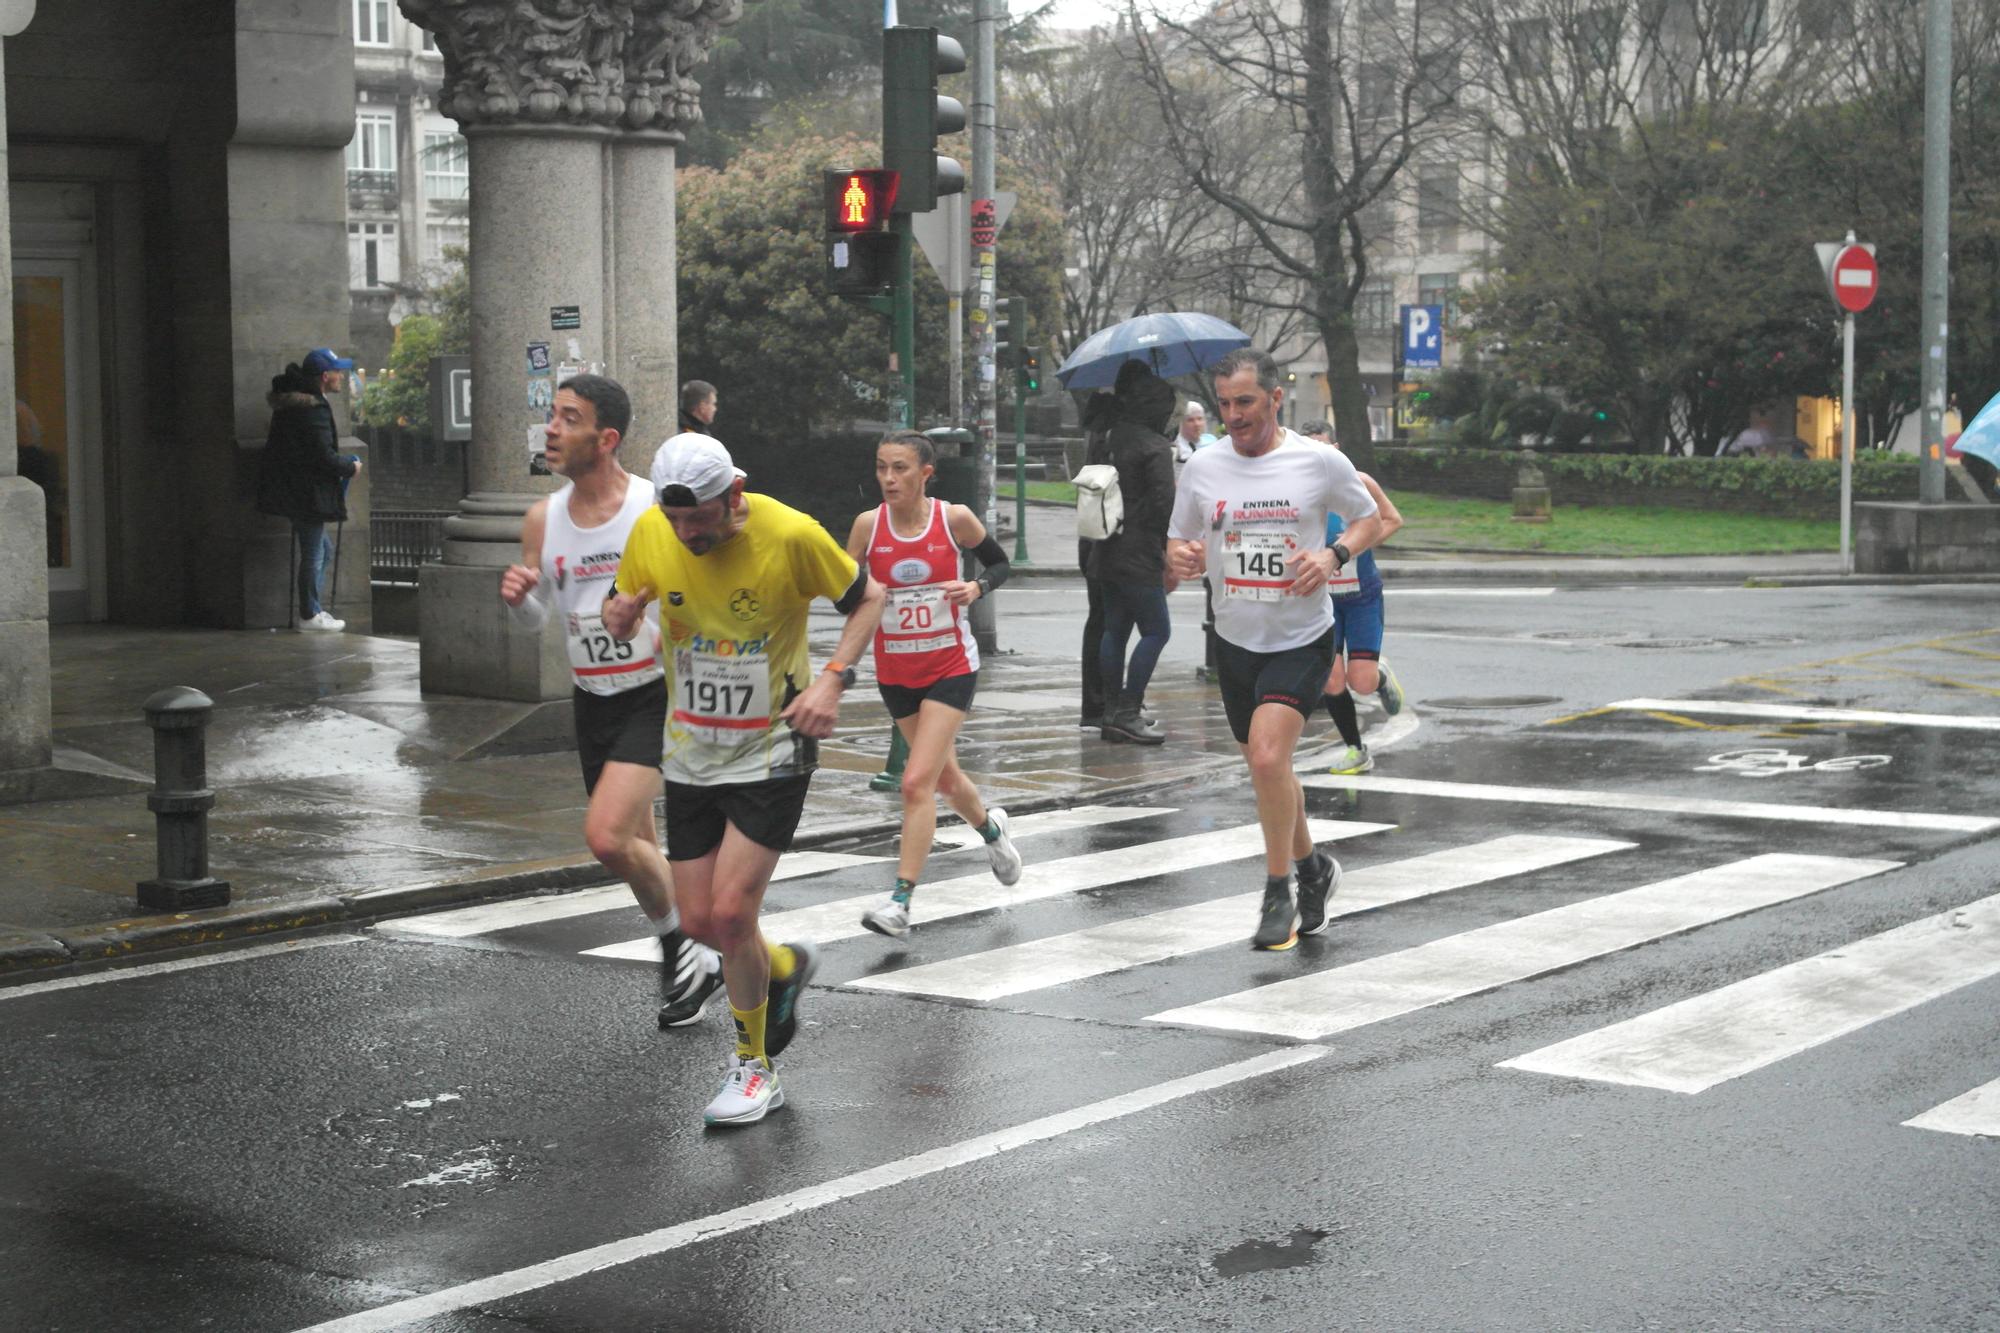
(301, 475)
(1138, 447)
(691, 422)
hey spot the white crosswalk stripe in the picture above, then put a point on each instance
(841, 919)
(1150, 939)
(963, 836)
(1700, 1042)
(1479, 960)
(1977, 1112)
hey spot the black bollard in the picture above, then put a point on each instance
(180, 801)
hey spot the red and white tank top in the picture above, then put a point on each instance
(923, 638)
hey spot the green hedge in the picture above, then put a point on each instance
(1808, 489)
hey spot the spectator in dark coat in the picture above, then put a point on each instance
(1132, 565)
(698, 403)
(304, 477)
(1097, 419)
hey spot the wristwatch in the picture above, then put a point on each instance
(842, 672)
(1341, 555)
(984, 587)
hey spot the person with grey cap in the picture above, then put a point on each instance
(733, 574)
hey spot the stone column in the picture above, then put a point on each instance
(572, 113)
(24, 562)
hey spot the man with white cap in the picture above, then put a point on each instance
(571, 544)
(734, 574)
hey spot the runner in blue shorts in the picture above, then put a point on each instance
(1357, 630)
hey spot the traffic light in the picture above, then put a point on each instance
(1029, 374)
(1010, 330)
(913, 115)
(860, 248)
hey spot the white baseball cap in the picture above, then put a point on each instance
(697, 462)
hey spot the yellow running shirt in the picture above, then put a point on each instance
(734, 624)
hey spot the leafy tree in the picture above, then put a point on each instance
(755, 315)
(402, 397)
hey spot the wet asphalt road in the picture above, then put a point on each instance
(291, 1136)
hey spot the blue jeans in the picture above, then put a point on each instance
(315, 554)
(1127, 605)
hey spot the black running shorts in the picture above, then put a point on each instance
(766, 812)
(1294, 677)
(953, 691)
(629, 727)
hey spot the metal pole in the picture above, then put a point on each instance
(1847, 438)
(955, 318)
(903, 316)
(985, 14)
(1937, 245)
(1021, 474)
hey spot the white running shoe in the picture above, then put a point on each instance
(1001, 853)
(1390, 691)
(1352, 759)
(323, 621)
(891, 918)
(749, 1093)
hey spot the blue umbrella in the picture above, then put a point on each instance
(1174, 343)
(1981, 436)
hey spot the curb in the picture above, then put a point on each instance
(27, 956)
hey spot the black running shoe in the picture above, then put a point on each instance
(781, 1023)
(1278, 921)
(1316, 884)
(687, 1008)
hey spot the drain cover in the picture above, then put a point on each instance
(1495, 701)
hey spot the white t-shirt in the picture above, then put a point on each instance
(1253, 514)
(578, 566)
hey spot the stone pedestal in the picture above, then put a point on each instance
(1532, 501)
(572, 122)
(1909, 537)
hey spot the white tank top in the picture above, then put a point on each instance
(578, 567)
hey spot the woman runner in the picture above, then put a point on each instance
(926, 662)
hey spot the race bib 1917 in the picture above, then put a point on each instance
(721, 700)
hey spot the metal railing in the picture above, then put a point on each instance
(401, 540)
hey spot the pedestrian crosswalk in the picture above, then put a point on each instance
(1161, 891)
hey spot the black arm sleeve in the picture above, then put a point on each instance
(992, 558)
(855, 590)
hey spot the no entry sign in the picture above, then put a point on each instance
(1854, 278)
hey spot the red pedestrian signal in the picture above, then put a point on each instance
(860, 200)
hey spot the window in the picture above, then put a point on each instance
(430, 41)
(1437, 197)
(1741, 25)
(1528, 47)
(1597, 35)
(1825, 20)
(1377, 93)
(371, 22)
(373, 147)
(445, 173)
(438, 235)
(1440, 289)
(1374, 307)
(1437, 76)
(372, 260)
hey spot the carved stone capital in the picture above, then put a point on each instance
(608, 64)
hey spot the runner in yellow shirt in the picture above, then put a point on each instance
(734, 574)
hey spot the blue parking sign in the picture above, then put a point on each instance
(1423, 337)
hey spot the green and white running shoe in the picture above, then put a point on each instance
(1390, 691)
(1352, 759)
(892, 918)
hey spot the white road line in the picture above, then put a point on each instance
(1480, 960)
(1669, 805)
(1712, 1038)
(460, 922)
(1977, 1112)
(962, 835)
(1800, 713)
(841, 919)
(177, 965)
(1029, 701)
(1401, 590)
(504, 1286)
(1149, 939)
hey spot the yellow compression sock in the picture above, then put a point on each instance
(750, 1033)
(783, 961)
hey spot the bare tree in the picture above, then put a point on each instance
(1335, 109)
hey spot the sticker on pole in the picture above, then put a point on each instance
(1851, 274)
